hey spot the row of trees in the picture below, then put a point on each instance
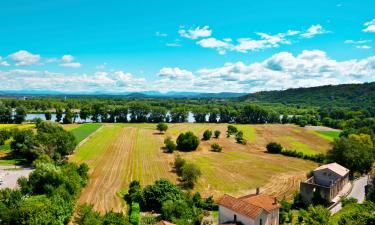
(7, 115)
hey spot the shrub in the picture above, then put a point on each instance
(162, 127)
(170, 146)
(231, 130)
(348, 201)
(207, 135)
(135, 217)
(179, 162)
(216, 147)
(187, 141)
(190, 174)
(239, 138)
(217, 133)
(274, 147)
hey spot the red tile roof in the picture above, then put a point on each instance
(250, 205)
(163, 222)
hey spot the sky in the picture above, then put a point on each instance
(88, 46)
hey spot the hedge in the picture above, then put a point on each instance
(293, 153)
(135, 216)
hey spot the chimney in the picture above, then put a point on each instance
(275, 201)
(258, 191)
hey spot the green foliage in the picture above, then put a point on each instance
(348, 201)
(159, 192)
(187, 141)
(315, 215)
(274, 147)
(162, 127)
(179, 162)
(355, 152)
(215, 147)
(48, 115)
(135, 214)
(135, 193)
(355, 214)
(239, 138)
(24, 144)
(231, 130)
(20, 115)
(217, 133)
(170, 146)
(68, 116)
(87, 216)
(320, 158)
(4, 135)
(190, 174)
(207, 135)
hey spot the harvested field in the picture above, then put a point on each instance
(120, 153)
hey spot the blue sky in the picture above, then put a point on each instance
(206, 46)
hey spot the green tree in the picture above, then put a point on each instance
(187, 141)
(48, 115)
(59, 114)
(216, 147)
(179, 162)
(239, 138)
(68, 118)
(217, 133)
(84, 113)
(190, 174)
(20, 115)
(274, 147)
(231, 130)
(162, 127)
(170, 146)
(24, 144)
(207, 135)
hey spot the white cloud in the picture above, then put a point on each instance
(361, 44)
(370, 26)
(159, 34)
(67, 58)
(196, 33)
(314, 30)
(221, 46)
(71, 65)
(174, 73)
(3, 63)
(24, 58)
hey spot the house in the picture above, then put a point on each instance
(327, 180)
(163, 222)
(255, 209)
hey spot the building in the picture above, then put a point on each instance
(327, 180)
(255, 209)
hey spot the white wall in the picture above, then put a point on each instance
(227, 215)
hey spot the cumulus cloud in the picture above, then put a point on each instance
(3, 63)
(71, 65)
(369, 26)
(263, 40)
(314, 30)
(196, 33)
(174, 73)
(24, 58)
(67, 58)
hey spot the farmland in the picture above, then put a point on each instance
(120, 153)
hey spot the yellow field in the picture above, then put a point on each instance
(120, 153)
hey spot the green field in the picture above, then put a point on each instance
(329, 135)
(248, 131)
(85, 130)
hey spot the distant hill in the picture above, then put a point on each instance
(345, 95)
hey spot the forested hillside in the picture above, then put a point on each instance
(346, 95)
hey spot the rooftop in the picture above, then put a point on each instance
(335, 167)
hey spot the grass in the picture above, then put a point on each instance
(97, 145)
(329, 135)
(248, 131)
(299, 146)
(120, 153)
(85, 130)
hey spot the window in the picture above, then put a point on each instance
(260, 222)
(235, 218)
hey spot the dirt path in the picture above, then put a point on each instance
(108, 177)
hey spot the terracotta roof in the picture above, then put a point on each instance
(163, 222)
(335, 167)
(250, 205)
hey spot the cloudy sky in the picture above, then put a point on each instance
(203, 46)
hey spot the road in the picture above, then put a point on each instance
(10, 174)
(357, 192)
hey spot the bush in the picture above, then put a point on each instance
(239, 138)
(215, 147)
(162, 127)
(319, 158)
(207, 135)
(231, 130)
(217, 133)
(348, 201)
(274, 147)
(179, 162)
(170, 146)
(4, 135)
(190, 174)
(187, 141)
(135, 217)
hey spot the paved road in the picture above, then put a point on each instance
(9, 175)
(357, 192)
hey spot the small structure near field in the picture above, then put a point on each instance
(327, 180)
(254, 209)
